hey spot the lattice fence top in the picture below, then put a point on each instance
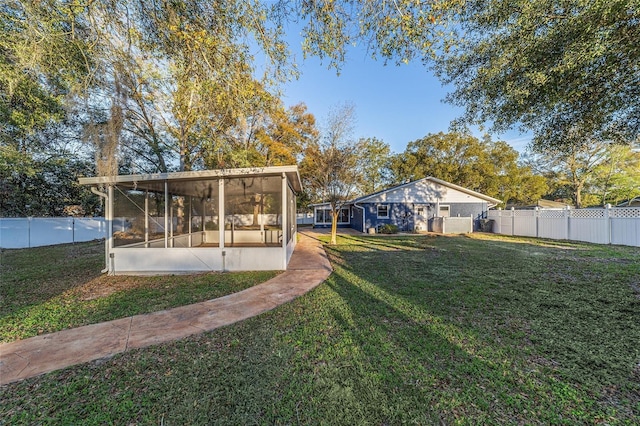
(619, 212)
(587, 213)
(552, 214)
(625, 212)
(526, 213)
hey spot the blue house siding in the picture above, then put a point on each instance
(412, 205)
(356, 219)
(402, 214)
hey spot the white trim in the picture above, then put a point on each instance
(378, 211)
(328, 209)
(285, 212)
(221, 213)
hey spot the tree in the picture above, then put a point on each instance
(617, 179)
(603, 171)
(571, 166)
(481, 165)
(41, 62)
(374, 155)
(566, 71)
(400, 30)
(270, 136)
(175, 75)
(330, 166)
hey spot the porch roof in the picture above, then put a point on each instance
(155, 181)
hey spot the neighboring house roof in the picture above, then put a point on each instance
(372, 197)
(633, 202)
(543, 204)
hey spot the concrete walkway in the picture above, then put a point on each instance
(26, 358)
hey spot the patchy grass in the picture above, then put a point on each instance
(48, 289)
(451, 330)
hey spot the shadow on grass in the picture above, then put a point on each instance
(59, 287)
(35, 275)
(451, 372)
(580, 336)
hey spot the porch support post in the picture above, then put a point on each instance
(109, 205)
(171, 222)
(221, 230)
(146, 218)
(285, 231)
(190, 229)
(166, 214)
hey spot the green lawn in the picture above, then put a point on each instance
(424, 330)
(48, 289)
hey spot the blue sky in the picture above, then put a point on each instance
(397, 104)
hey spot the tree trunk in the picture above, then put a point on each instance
(334, 227)
(578, 194)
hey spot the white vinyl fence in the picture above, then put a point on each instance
(452, 225)
(304, 218)
(609, 225)
(28, 232)
(44, 231)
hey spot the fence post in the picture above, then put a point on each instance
(513, 221)
(536, 216)
(607, 221)
(470, 223)
(567, 213)
(29, 231)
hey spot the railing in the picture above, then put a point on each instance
(609, 225)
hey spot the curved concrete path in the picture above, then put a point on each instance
(31, 357)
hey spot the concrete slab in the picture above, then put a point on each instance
(31, 357)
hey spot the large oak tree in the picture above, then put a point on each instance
(486, 166)
(567, 71)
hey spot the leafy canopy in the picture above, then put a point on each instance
(565, 70)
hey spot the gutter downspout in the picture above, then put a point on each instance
(106, 245)
(361, 208)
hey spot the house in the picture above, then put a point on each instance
(197, 221)
(412, 206)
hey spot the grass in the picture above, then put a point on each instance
(48, 289)
(426, 330)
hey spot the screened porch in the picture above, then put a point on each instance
(200, 221)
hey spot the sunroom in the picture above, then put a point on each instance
(198, 221)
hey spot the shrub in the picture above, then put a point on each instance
(389, 229)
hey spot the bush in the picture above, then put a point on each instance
(389, 229)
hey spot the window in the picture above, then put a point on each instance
(444, 211)
(323, 216)
(343, 217)
(420, 211)
(383, 211)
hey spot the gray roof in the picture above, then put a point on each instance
(492, 201)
